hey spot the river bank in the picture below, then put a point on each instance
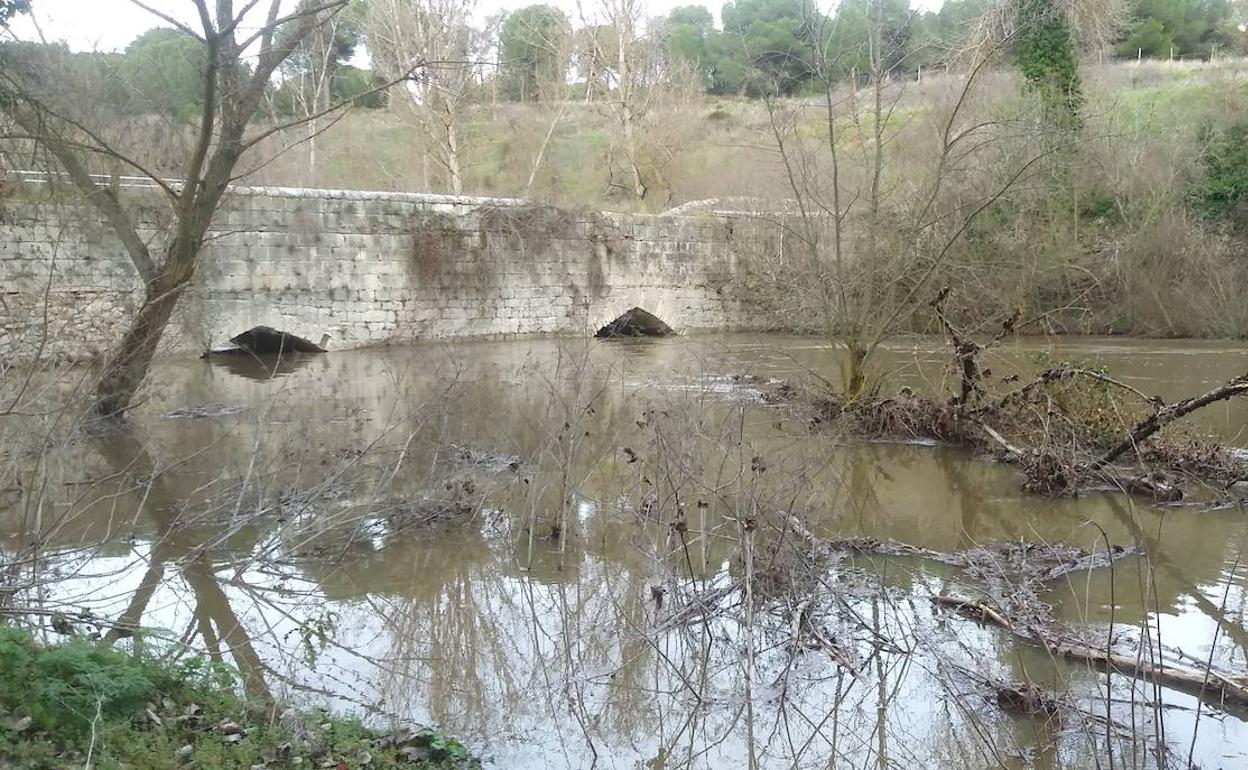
(77, 701)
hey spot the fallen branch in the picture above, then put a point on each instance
(1205, 684)
(975, 611)
(1166, 415)
(803, 624)
(701, 605)
(1043, 562)
(1058, 374)
(68, 619)
(1093, 560)
(1148, 485)
(997, 437)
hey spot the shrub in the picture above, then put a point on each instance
(1225, 160)
(1045, 53)
(62, 687)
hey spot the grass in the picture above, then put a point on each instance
(82, 703)
(708, 146)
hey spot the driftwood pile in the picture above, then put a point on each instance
(1009, 579)
(1072, 428)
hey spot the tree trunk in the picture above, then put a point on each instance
(312, 132)
(854, 369)
(541, 152)
(630, 140)
(630, 149)
(624, 27)
(231, 95)
(128, 365)
(452, 157)
(1204, 683)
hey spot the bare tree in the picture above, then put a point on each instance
(243, 53)
(867, 240)
(631, 98)
(595, 49)
(403, 32)
(312, 66)
(551, 48)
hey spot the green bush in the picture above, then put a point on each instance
(1045, 53)
(1225, 159)
(61, 688)
(1098, 205)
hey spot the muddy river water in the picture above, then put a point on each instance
(504, 539)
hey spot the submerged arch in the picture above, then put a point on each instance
(636, 322)
(265, 340)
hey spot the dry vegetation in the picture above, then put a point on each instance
(1069, 427)
(1099, 237)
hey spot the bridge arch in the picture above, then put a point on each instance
(636, 322)
(635, 314)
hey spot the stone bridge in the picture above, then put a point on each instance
(359, 268)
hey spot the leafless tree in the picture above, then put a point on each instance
(596, 48)
(552, 89)
(868, 240)
(310, 69)
(244, 47)
(403, 32)
(630, 100)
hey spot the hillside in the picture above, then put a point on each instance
(700, 147)
(1107, 235)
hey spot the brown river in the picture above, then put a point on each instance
(503, 539)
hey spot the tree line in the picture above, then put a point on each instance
(539, 52)
(1184, 28)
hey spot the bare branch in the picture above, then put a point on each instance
(266, 33)
(168, 19)
(207, 117)
(101, 197)
(1169, 414)
(230, 28)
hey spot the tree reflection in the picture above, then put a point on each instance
(216, 623)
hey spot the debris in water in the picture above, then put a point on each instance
(204, 410)
(262, 340)
(492, 461)
(1026, 699)
(636, 323)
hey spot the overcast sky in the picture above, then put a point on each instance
(109, 25)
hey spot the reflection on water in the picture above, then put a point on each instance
(316, 539)
(262, 366)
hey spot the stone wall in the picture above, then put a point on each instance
(367, 268)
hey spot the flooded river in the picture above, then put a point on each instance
(508, 540)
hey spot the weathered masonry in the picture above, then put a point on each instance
(355, 268)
